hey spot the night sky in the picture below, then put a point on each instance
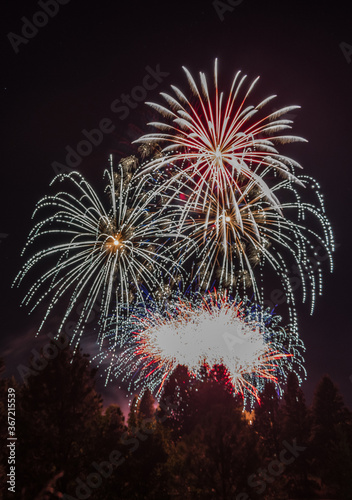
(69, 74)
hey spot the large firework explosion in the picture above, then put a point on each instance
(103, 255)
(209, 203)
(207, 331)
(230, 243)
(218, 142)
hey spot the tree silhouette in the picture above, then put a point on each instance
(199, 444)
(57, 422)
(132, 420)
(295, 425)
(148, 441)
(214, 458)
(267, 422)
(176, 396)
(330, 441)
(146, 408)
(112, 428)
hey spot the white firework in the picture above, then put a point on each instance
(100, 255)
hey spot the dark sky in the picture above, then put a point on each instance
(68, 74)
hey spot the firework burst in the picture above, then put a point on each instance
(103, 255)
(206, 332)
(217, 141)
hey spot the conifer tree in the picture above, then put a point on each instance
(267, 421)
(296, 428)
(58, 419)
(330, 440)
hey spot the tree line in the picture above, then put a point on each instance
(197, 442)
